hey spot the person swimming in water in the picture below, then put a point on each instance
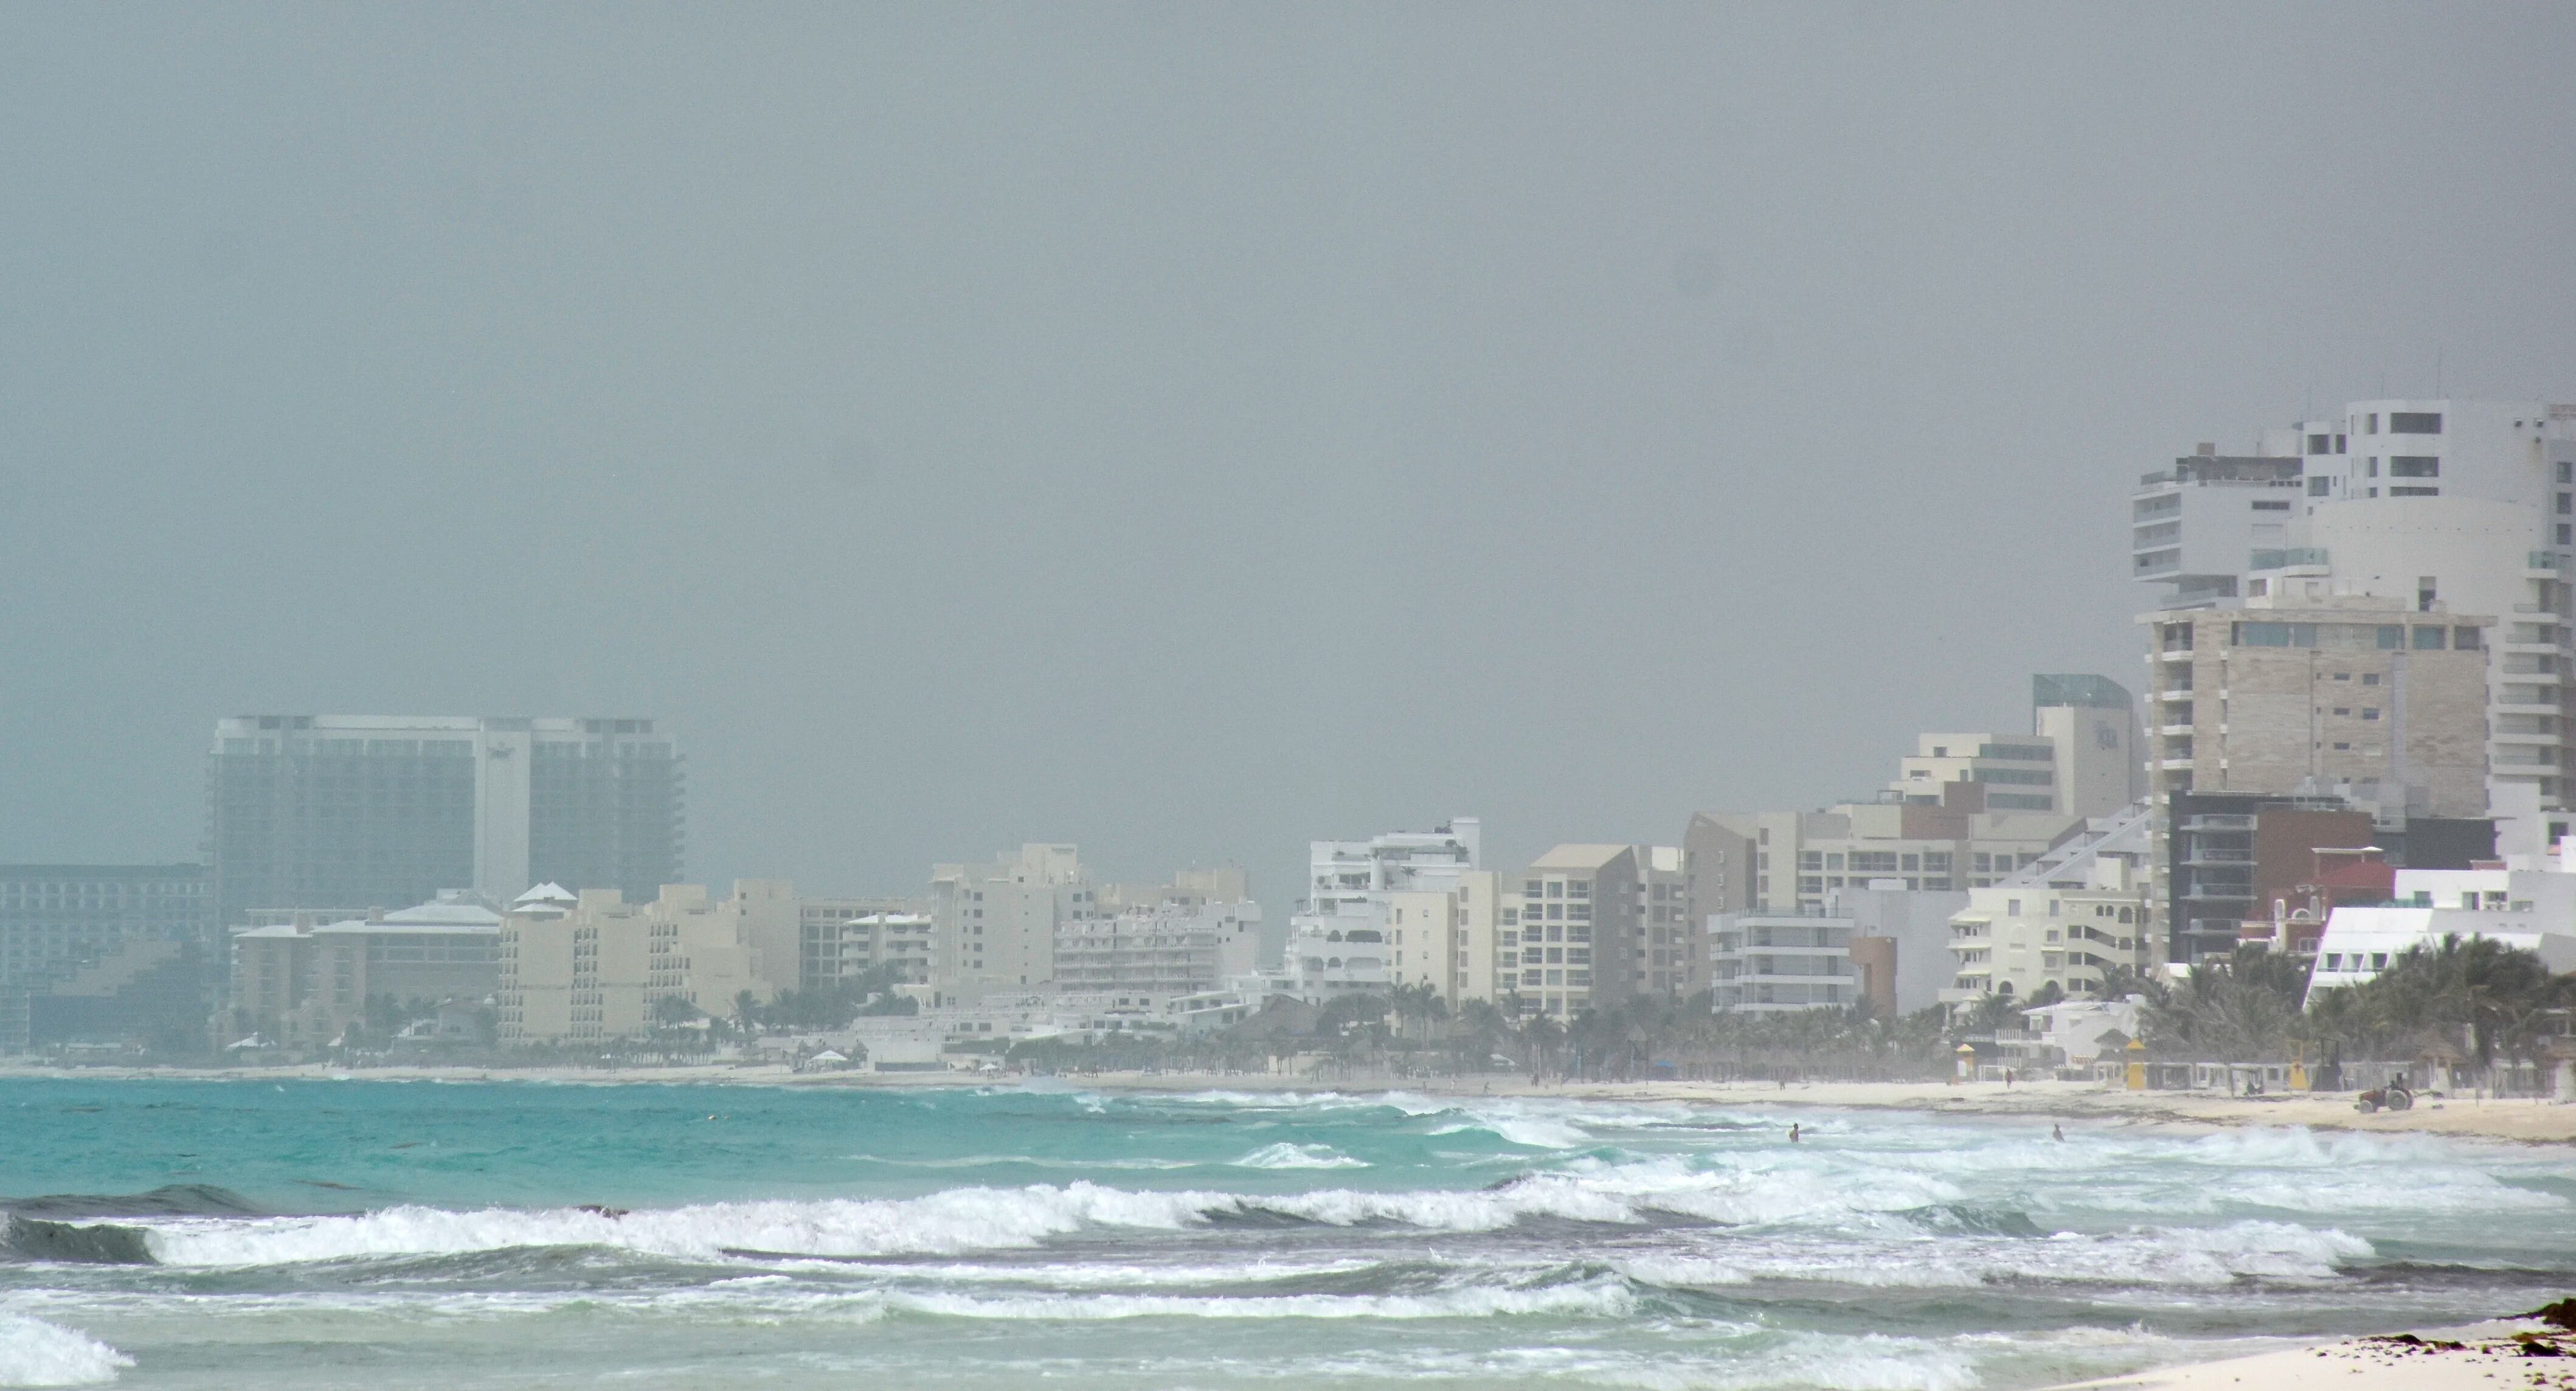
(2057, 1132)
(1793, 1132)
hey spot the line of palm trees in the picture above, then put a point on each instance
(2473, 1001)
(1412, 1028)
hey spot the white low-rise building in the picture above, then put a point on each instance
(2077, 912)
(1149, 955)
(1774, 963)
(2525, 901)
(2081, 1032)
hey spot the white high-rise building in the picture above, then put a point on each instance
(2442, 505)
(1341, 943)
(1143, 957)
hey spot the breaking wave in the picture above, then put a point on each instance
(983, 1219)
(1284, 1155)
(2152, 1257)
(1600, 1297)
(36, 1353)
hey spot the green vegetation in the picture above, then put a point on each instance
(809, 1011)
(2474, 1002)
(1410, 1032)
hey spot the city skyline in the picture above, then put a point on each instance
(1338, 696)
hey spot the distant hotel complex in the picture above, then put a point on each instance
(305, 810)
(2352, 736)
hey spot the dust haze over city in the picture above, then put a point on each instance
(550, 547)
(1177, 430)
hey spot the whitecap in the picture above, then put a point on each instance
(36, 1353)
(956, 1220)
(1284, 1155)
(2156, 1257)
(1601, 1297)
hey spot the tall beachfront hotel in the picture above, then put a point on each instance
(356, 811)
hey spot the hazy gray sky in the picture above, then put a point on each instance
(1183, 429)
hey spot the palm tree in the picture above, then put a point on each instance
(2228, 1011)
(1542, 1036)
(1480, 1025)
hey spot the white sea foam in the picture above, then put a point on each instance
(978, 1219)
(36, 1353)
(1106, 1275)
(1775, 1193)
(958, 1220)
(2155, 1257)
(1606, 1298)
(1803, 1361)
(1030, 1161)
(1531, 1124)
(1529, 1132)
(1284, 1155)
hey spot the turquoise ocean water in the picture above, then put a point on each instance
(398, 1235)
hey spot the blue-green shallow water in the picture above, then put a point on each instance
(431, 1235)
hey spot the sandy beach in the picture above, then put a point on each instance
(2502, 1353)
(2525, 1119)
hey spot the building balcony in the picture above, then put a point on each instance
(2221, 855)
(2290, 558)
(2173, 765)
(2542, 560)
(2175, 731)
(2218, 822)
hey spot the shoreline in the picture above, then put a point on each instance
(2510, 1350)
(2525, 1120)
(2503, 1351)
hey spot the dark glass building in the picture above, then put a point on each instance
(359, 811)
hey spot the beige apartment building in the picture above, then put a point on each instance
(2080, 757)
(2306, 690)
(994, 924)
(593, 969)
(1595, 925)
(1964, 810)
(306, 982)
(1189, 888)
(1446, 939)
(1789, 861)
